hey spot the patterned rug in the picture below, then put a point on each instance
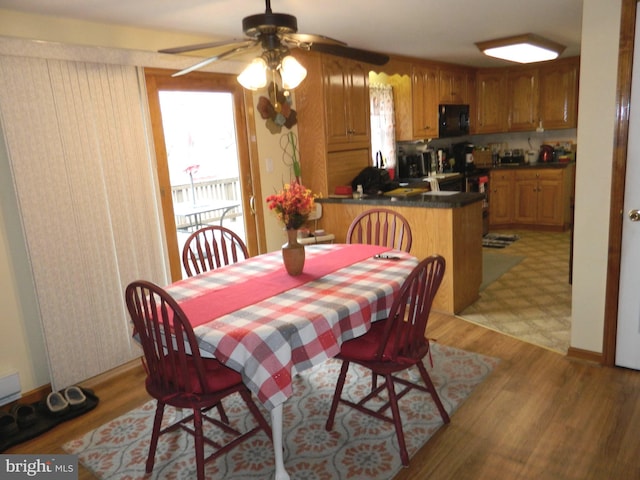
(359, 447)
(496, 240)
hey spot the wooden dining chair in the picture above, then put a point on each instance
(392, 346)
(178, 375)
(212, 247)
(381, 226)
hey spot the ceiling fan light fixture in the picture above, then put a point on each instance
(527, 48)
(291, 72)
(254, 76)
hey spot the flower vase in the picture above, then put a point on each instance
(293, 253)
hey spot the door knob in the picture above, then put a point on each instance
(634, 215)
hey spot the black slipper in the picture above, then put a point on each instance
(25, 415)
(8, 425)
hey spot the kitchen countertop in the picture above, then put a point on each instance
(516, 166)
(443, 199)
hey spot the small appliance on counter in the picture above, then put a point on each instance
(411, 166)
(463, 157)
(512, 157)
(415, 161)
(547, 154)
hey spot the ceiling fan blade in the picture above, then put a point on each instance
(358, 54)
(309, 38)
(234, 51)
(202, 46)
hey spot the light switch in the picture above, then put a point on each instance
(269, 165)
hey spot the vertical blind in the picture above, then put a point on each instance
(79, 145)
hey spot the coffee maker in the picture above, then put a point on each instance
(410, 166)
(463, 157)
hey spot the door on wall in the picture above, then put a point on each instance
(628, 335)
(205, 176)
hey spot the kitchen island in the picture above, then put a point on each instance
(447, 223)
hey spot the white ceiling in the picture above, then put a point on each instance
(443, 30)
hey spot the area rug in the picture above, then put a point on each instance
(494, 265)
(497, 240)
(359, 447)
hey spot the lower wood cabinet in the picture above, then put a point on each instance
(532, 198)
(501, 195)
(539, 197)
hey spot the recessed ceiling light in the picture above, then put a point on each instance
(526, 48)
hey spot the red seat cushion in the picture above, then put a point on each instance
(365, 347)
(217, 376)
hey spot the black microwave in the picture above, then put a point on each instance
(453, 120)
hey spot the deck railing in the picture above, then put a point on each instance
(206, 192)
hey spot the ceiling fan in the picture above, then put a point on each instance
(276, 34)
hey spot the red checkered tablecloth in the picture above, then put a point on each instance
(297, 322)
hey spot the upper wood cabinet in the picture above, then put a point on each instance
(545, 94)
(491, 101)
(418, 89)
(453, 86)
(559, 94)
(346, 93)
(424, 91)
(333, 120)
(522, 95)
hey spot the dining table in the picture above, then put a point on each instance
(268, 325)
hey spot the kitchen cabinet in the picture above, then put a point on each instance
(343, 166)
(559, 94)
(538, 198)
(334, 138)
(425, 101)
(520, 99)
(522, 95)
(346, 94)
(453, 86)
(491, 101)
(501, 195)
(418, 89)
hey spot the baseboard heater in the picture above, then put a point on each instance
(9, 387)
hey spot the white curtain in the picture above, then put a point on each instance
(383, 133)
(79, 148)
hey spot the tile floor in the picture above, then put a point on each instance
(532, 301)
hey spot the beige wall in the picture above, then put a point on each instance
(596, 122)
(21, 344)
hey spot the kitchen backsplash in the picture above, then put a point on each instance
(525, 141)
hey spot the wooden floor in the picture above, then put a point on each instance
(538, 416)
